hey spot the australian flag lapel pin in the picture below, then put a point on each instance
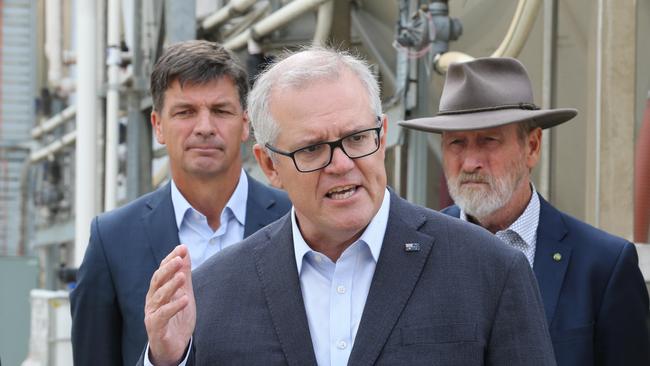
(412, 247)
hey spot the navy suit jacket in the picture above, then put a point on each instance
(125, 249)
(595, 298)
(463, 298)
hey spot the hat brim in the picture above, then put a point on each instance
(544, 118)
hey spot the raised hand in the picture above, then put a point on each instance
(170, 309)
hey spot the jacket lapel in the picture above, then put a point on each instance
(551, 257)
(395, 277)
(257, 205)
(159, 223)
(278, 273)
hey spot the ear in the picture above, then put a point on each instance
(533, 147)
(245, 133)
(268, 166)
(156, 125)
(384, 132)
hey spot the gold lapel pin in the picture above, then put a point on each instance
(557, 257)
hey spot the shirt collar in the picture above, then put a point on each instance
(236, 203)
(526, 224)
(373, 235)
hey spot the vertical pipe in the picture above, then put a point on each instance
(112, 105)
(548, 88)
(598, 118)
(86, 98)
(54, 41)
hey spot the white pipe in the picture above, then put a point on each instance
(54, 41)
(54, 121)
(512, 43)
(323, 23)
(112, 105)
(274, 21)
(233, 7)
(544, 187)
(86, 181)
(599, 114)
(56, 145)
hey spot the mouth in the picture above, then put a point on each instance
(342, 192)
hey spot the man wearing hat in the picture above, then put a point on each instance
(594, 295)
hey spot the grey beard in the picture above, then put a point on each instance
(482, 202)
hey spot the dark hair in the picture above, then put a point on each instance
(195, 62)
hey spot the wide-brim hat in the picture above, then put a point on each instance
(486, 93)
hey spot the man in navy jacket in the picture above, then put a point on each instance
(594, 295)
(199, 113)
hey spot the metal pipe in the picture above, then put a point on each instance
(54, 121)
(323, 23)
(234, 7)
(54, 42)
(272, 22)
(548, 76)
(385, 69)
(53, 147)
(512, 43)
(112, 104)
(86, 98)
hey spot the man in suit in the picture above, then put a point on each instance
(594, 295)
(199, 95)
(353, 274)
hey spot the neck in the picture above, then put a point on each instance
(330, 245)
(503, 217)
(208, 195)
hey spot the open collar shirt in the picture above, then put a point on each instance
(334, 293)
(193, 228)
(521, 234)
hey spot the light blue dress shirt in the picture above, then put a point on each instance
(522, 234)
(335, 293)
(198, 236)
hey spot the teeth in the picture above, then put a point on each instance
(340, 193)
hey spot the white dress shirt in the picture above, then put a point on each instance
(335, 293)
(193, 228)
(522, 234)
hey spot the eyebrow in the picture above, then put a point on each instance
(314, 141)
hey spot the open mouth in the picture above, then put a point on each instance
(341, 193)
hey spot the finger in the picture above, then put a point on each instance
(178, 251)
(163, 275)
(158, 319)
(166, 293)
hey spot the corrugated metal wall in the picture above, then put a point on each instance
(17, 79)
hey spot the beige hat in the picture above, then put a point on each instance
(485, 93)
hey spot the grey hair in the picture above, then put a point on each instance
(298, 70)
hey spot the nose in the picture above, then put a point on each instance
(473, 160)
(340, 163)
(205, 126)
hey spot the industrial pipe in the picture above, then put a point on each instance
(323, 23)
(53, 147)
(54, 122)
(511, 45)
(86, 181)
(234, 7)
(642, 179)
(113, 61)
(274, 21)
(54, 42)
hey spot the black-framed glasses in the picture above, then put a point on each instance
(318, 156)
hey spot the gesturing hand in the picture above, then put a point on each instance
(170, 309)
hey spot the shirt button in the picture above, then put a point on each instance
(341, 344)
(340, 289)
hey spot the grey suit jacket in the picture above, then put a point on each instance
(463, 299)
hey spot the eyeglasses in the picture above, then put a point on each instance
(318, 156)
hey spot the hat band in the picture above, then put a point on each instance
(525, 106)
